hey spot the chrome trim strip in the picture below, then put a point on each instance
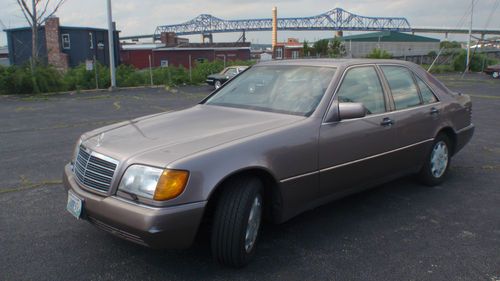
(374, 156)
(135, 203)
(106, 158)
(470, 126)
(355, 161)
(299, 176)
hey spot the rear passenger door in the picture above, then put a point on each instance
(355, 152)
(416, 113)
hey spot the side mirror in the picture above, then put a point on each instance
(351, 110)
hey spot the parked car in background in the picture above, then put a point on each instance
(279, 139)
(220, 78)
(493, 70)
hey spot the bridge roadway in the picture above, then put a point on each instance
(436, 30)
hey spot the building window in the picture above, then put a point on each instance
(164, 63)
(91, 40)
(295, 54)
(66, 44)
(279, 53)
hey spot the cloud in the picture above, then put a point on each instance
(142, 16)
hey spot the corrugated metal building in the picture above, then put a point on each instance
(396, 43)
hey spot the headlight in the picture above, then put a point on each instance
(153, 183)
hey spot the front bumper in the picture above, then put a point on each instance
(169, 227)
(210, 81)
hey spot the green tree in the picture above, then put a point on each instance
(379, 54)
(321, 47)
(307, 49)
(477, 61)
(450, 45)
(336, 48)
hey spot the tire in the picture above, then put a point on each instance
(217, 84)
(495, 74)
(237, 222)
(437, 162)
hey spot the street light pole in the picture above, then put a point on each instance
(111, 44)
(467, 65)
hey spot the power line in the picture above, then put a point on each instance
(495, 6)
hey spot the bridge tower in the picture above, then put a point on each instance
(208, 36)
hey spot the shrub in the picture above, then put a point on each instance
(477, 61)
(18, 80)
(379, 54)
(202, 70)
(79, 78)
(170, 76)
(128, 76)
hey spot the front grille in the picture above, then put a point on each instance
(94, 170)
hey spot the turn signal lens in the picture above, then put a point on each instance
(171, 184)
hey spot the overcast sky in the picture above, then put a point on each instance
(135, 17)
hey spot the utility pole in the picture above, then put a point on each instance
(111, 40)
(467, 65)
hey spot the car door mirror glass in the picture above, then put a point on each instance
(351, 110)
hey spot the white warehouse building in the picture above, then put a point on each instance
(396, 43)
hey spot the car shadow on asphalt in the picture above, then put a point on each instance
(326, 228)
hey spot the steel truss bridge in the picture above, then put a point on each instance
(336, 19)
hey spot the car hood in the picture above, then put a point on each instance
(162, 138)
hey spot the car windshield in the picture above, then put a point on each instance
(229, 71)
(284, 89)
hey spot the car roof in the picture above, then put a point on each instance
(335, 62)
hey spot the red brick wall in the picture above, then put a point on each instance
(137, 58)
(55, 57)
(181, 57)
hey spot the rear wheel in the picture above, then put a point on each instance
(217, 84)
(237, 222)
(495, 74)
(437, 162)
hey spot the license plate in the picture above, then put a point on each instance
(74, 205)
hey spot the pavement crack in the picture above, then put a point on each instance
(27, 184)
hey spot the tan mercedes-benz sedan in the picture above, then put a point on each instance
(280, 138)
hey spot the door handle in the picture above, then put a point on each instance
(386, 122)
(434, 111)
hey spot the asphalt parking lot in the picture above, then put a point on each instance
(398, 231)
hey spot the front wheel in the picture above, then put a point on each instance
(437, 162)
(217, 84)
(237, 221)
(495, 75)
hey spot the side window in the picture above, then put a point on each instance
(361, 84)
(403, 88)
(427, 95)
(66, 43)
